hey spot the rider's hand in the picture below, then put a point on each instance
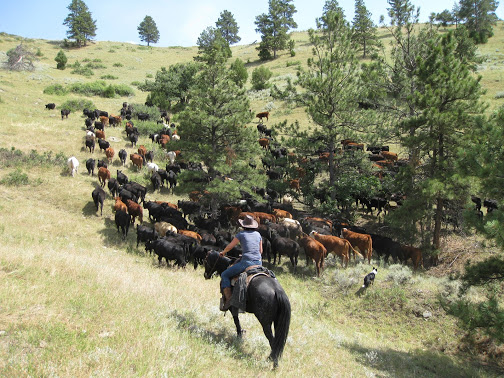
(222, 254)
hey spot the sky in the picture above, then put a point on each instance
(179, 22)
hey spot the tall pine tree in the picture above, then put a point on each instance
(479, 17)
(148, 31)
(228, 27)
(364, 30)
(274, 27)
(81, 26)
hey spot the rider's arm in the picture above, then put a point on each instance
(230, 246)
(260, 247)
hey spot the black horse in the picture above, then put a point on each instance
(265, 299)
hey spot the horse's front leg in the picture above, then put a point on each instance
(239, 330)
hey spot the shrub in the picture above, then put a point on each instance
(260, 77)
(55, 89)
(123, 90)
(142, 108)
(149, 75)
(136, 83)
(100, 88)
(78, 69)
(499, 95)
(238, 72)
(109, 92)
(293, 63)
(39, 53)
(92, 65)
(108, 77)
(118, 64)
(61, 60)
(400, 274)
(78, 104)
(15, 178)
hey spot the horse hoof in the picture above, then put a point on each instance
(241, 334)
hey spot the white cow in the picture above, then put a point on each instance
(73, 165)
(152, 167)
(171, 155)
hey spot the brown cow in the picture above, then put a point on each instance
(137, 160)
(172, 205)
(321, 222)
(142, 150)
(415, 254)
(134, 210)
(103, 175)
(279, 213)
(264, 143)
(294, 184)
(104, 120)
(120, 205)
(361, 241)
(336, 246)
(392, 156)
(191, 234)
(100, 134)
(314, 250)
(263, 115)
(263, 217)
(109, 152)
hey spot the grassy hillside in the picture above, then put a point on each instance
(75, 300)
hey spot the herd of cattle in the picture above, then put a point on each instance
(186, 231)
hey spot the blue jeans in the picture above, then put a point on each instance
(234, 270)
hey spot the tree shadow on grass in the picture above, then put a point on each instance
(418, 363)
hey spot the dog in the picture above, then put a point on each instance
(369, 279)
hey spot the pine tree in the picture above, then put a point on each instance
(274, 27)
(479, 17)
(212, 131)
(212, 46)
(61, 60)
(228, 27)
(364, 31)
(80, 23)
(148, 31)
(400, 12)
(444, 113)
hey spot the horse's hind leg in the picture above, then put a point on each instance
(239, 330)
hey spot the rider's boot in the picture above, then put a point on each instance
(226, 303)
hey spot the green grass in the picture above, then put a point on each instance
(78, 301)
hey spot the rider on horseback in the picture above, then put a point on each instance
(251, 243)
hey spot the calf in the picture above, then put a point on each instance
(90, 166)
(109, 152)
(103, 176)
(73, 165)
(120, 205)
(137, 160)
(337, 246)
(314, 250)
(90, 143)
(98, 198)
(168, 250)
(113, 187)
(134, 210)
(415, 254)
(262, 115)
(103, 144)
(146, 234)
(122, 178)
(50, 106)
(64, 113)
(122, 220)
(122, 156)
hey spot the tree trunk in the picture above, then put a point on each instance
(436, 238)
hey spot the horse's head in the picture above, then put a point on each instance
(211, 263)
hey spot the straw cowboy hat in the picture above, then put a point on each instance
(248, 222)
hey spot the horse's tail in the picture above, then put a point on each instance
(282, 323)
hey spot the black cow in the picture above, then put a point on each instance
(386, 247)
(113, 187)
(103, 144)
(121, 178)
(102, 163)
(284, 246)
(90, 143)
(173, 167)
(99, 125)
(50, 106)
(98, 198)
(122, 156)
(137, 189)
(145, 234)
(102, 114)
(168, 250)
(490, 204)
(90, 166)
(149, 156)
(189, 208)
(88, 122)
(133, 139)
(156, 181)
(65, 113)
(172, 180)
(127, 195)
(143, 116)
